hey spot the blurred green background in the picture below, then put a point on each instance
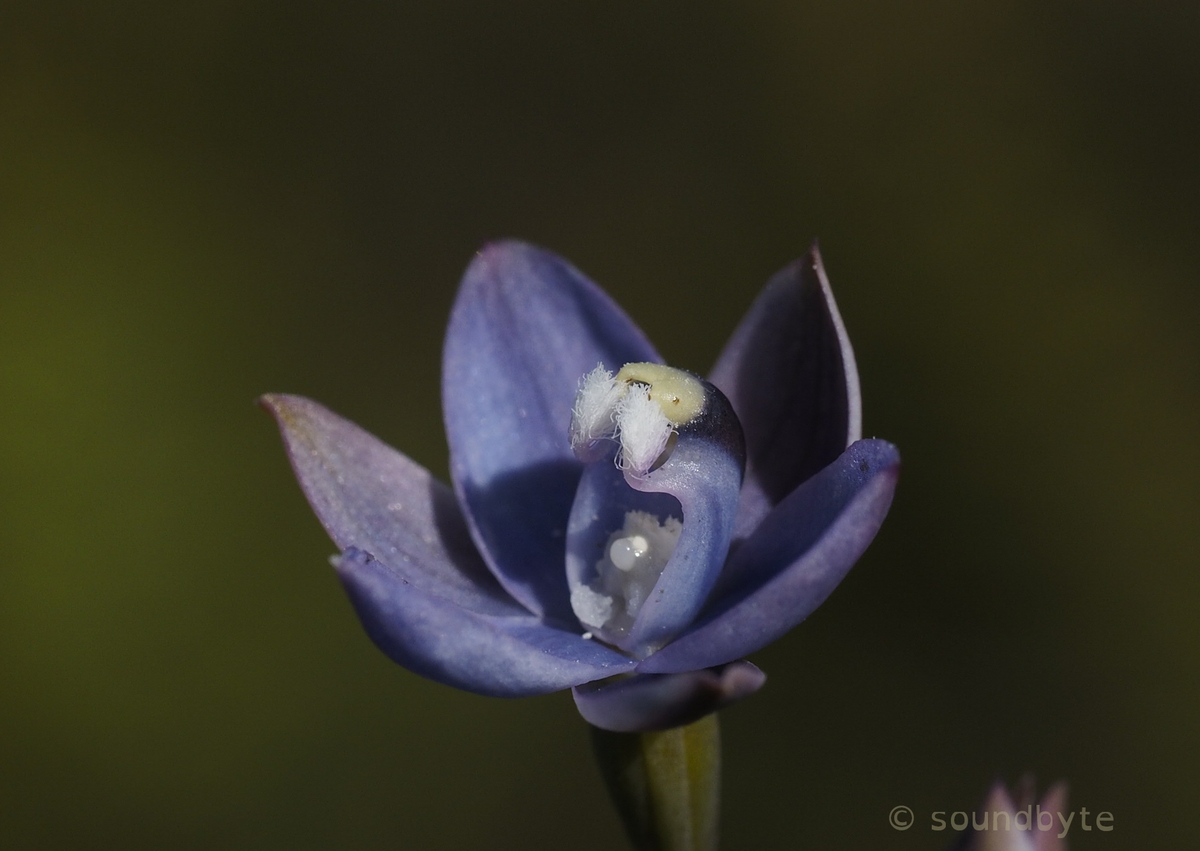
(200, 203)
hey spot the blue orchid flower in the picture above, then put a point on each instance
(1016, 822)
(616, 526)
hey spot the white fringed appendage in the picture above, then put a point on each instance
(594, 416)
(622, 409)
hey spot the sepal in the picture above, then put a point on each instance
(647, 702)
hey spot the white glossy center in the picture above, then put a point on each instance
(625, 552)
(634, 558)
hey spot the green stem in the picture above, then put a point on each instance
(666, 785)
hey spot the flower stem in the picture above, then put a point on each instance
(665, 785)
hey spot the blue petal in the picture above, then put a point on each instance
(601, 504)
(792, 562)
(368, 495)
(525, 328)
(789, 371)
(705, 478)
(418, 584)
(699, 484)
(500, 656)
(660, 701)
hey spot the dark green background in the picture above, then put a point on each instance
(203, 203)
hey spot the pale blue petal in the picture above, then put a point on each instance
(525, 328)
(789, 371)
(792, 562)
(369, 496)
(660, 701)
(705, 478)
(496, 655)
(699, 484)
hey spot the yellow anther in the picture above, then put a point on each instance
(678, 394)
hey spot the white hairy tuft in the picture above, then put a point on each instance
(643, 429)
(621, 408)
(594, 416)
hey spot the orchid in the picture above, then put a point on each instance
(1018, 822)
(616, 526)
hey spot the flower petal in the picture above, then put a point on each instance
(1054, 801)
(500, 656)
(699, 483)
(789, 371)
(660, 701)
(1023, 826)
(705, 477)
(792, 562)
(369, 496)
(525, 328)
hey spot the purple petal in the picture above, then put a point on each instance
(1008, 833)
(525, 328)
(792, 562)
(706, 480)
(369, 496)
(601, 504)
(501, 656)
(699, 484)
(1054, 801)
(660, 701)
(789, 371)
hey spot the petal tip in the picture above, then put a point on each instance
(270, 402)
(284, 407)
(498, 253)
